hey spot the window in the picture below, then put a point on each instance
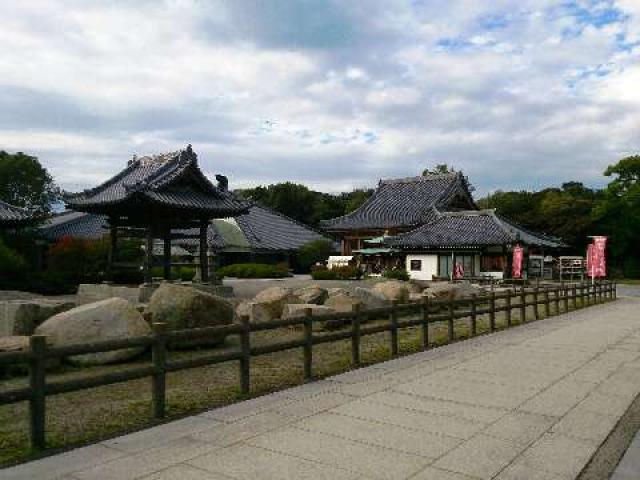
(416, 265)
(445, 264)
(492, 263)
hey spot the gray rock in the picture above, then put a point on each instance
(343, 303)
(269, 304)
(110, 319)
(371, 298)
(94, 292)
(21, 317)
(182, 307)
(453, 291)
(312, 294)
(298, 310)
(393, 290)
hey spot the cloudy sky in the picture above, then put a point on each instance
(334, 94)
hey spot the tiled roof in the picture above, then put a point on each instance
(74, 224)
(404, 202)
(266, 229)
(171, 179)
(469, 228)
(261, 229)
(12, 215)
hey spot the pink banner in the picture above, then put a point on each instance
(518, 254)
(600, 256)
(458, 271)
(589, 260)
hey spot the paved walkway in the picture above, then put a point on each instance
(533, 402)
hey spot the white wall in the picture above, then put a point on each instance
(429, 266)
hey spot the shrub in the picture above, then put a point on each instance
(337, 273)
(396, 274)
(313, 252)
(13, 267)
(184, 274)
(253, 270)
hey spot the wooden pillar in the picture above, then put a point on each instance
(166, 256)
(113, 247)
(148, 260)
(204, 247)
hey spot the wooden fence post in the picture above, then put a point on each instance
(355, 338)
(159, 359)
(450, 322)
(474, 317)
(574, 296)
(583, 301)
(308, 345)
(599, 292)
(393, 321)
(615, 290)
(523, 304)
(38, 344)
(245, 360)
(508, 310)
(536, 307)
(565, 294)
(547, 301)
(492, 311)
(556, 299)
(425, 323)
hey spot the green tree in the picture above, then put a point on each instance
(314, 252)
(24, 182)
(440, 168)
(356, 198)
(619, 213)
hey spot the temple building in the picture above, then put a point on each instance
(159, 197)
(430, 225)
(260, 235)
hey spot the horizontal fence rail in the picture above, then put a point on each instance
(563, 297)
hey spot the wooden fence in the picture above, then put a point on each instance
(430, 311)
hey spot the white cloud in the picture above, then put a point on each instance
(523, 93)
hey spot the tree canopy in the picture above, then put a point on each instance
(24, 182)
(307, 206)
(574, 211)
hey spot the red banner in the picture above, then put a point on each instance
(600, 256)
(518, 254)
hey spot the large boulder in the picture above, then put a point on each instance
(343, 303)
(182, 307)
(21, 317)
(110, 319)
(269, 304)
(453, 291)
(296, 310)
(337, 291)
(371, 298)
(312, 294)
(94, 292)
(413, 287)
(393, 290)
(243, 309)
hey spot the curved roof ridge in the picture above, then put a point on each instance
(418, 178)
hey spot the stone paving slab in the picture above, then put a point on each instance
(533, 402)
